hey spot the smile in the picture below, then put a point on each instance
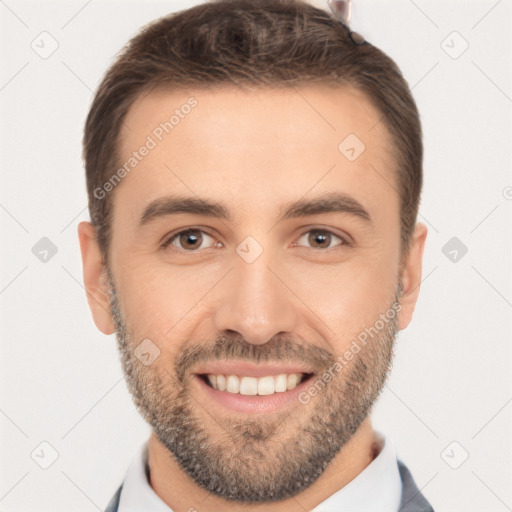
(250, 386)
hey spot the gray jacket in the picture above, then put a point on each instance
(412, 499)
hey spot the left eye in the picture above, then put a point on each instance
(322, 237)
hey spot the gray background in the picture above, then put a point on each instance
(449, 396)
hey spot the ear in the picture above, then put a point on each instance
(411, 275)
(94, 274)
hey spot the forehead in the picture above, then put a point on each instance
(259, 143)
(302, 115)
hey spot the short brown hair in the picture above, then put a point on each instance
(262, 43)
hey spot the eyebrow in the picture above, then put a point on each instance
(333, 202)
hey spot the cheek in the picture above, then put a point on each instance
(158, 299)
(348, 297)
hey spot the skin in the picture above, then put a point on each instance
(255, 151)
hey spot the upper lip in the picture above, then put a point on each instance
(245, 368)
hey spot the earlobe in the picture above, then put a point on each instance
(411, 275)
(94, 274)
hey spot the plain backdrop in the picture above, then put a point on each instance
(448, 403)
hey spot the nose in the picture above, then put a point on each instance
(255, 302)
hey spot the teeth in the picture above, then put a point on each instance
(248, 386)
(280, 383)
(265, 385)
(232, 384)
(221, 383)
(255, 386)
(292, 380)
(213, 380)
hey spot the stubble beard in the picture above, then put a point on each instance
(265, 457)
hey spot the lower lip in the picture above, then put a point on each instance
(252, 403)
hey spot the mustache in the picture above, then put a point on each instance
(279, 349)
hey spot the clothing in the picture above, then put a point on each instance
(385, 485)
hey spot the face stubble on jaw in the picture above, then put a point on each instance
(259, 459)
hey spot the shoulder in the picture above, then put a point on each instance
(412, 499)
(113, 504)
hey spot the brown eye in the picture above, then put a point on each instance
(321, 239)
(189, 240)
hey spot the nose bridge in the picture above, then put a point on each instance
(255, 302)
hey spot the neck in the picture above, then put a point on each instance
(180, 492)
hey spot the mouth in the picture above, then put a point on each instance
(246, 388)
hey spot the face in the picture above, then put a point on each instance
(250, 250)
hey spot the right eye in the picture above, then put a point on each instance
(189, 240)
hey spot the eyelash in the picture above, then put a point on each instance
(345, 242)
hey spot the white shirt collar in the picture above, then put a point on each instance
(378, 487)
(137, 493)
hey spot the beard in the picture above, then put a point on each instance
(262, 457)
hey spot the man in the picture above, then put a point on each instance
(254, 172)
